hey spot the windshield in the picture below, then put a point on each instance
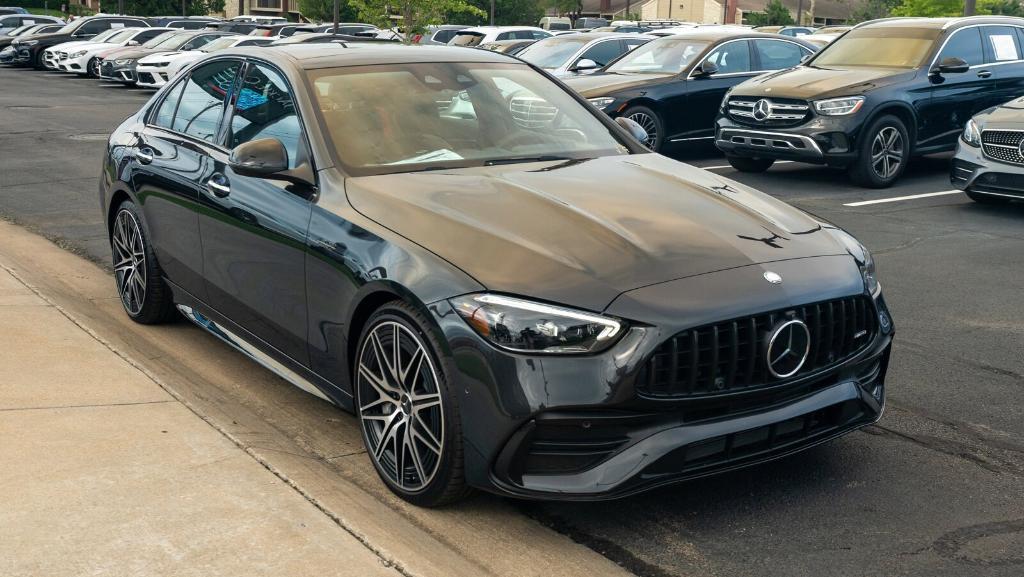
(879, 47)
(169, 40)
(553, 52)
(668, 55)
(220, 43)
(120, 36)
(453, 115)
(467, 38)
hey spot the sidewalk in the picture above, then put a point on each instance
(102, 472)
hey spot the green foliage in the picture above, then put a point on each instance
(1003, 7)
(414, 15)
(775, 14)
(929, 8)
(506, 13)
(871, 10)
(323, 10)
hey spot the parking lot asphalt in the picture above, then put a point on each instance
(935, 489)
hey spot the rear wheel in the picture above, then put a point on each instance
(407, 411)
(747, 164)
(650, 122)
(884, 150)
(144, 294)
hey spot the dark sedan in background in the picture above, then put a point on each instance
(989, 161)
(520, 298)
(29, 51)
(673, 86)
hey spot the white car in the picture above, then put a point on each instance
(85, 59)
(582, 53)
(155, 70)
(480, 34)
(51, 54)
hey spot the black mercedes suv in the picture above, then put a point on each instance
(883, 92)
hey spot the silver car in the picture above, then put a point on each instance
(989, 160)
(575, 54)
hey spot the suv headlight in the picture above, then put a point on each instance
(839, 106)
(971, 135)
(530, 327)
(123, 62)
(601, 101)
(865, 261)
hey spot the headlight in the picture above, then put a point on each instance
(725, 100)
(839, 106)
(29, 42)
(78, 54)
(601, 102)
(123, 62)
(530, 327)
(865, 261)
(971, 135)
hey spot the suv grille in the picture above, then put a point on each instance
(780, 111)
(1003, 145)
(729, 356)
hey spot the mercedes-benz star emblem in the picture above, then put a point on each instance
(1020, 149)
(762, 109)
(772, 277)
(788, 348)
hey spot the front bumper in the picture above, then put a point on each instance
(118, 72)
(151, 76)
(76, 65)
(818, 141)
(580, 428)
(972, 172)
(8, 55)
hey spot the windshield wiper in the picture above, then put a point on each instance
(519, 159)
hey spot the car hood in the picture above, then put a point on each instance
(582, 232)
(65, 46)
(592, 85)
(159, 57)
(1009, 115)
(53, 37)
(133, 53)
(808, 82)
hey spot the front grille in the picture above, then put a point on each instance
(1003, 145)
(532, 112)
(729, 356)
(782, 111)
(146, 78)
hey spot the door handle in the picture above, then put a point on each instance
(984, 74)
(218, 185)
(144, 155)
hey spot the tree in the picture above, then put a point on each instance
(871, 10)
(323, 10)
(1003, 7)
(775, 14)
(509, 12)
(929, 8)
(415, 15)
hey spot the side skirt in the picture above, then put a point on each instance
(252, 352)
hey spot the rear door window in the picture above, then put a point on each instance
(777, 54)
(1001, 43)
(965, 44)
(603, 52)
(731, 57)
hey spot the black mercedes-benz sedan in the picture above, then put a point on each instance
(673, 86)
(517, 297)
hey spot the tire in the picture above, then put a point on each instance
(883, 153)
(38, 62)
(651, 122)
(429, 469)
(987, 199)
(748, 164)
(92, 69)
(145, 296)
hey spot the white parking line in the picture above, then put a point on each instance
(730, 166)
(901, 198)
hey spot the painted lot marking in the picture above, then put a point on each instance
(902, 198)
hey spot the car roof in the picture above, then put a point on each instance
(498, 28)
(314, 56)
(596, 35)
(723, 33)
(939, 23)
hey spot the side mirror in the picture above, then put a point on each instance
(805, 58)
(585, 64)
(634, 129)
(708, 68)
(268, 158)
(951, 65)
(261, 158)
(133, 43)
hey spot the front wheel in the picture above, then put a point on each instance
(747, 164)
(650, 122)
(884, 151)
(92, 70)
(407, 411)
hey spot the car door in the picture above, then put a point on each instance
(254, 229)
(1003, 57)
(704, 93)
(955, 97)
(174, 155)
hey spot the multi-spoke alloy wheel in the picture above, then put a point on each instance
(94, 67)
(400, 406)
(887, 152)
(647, 123)
(129, 262)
